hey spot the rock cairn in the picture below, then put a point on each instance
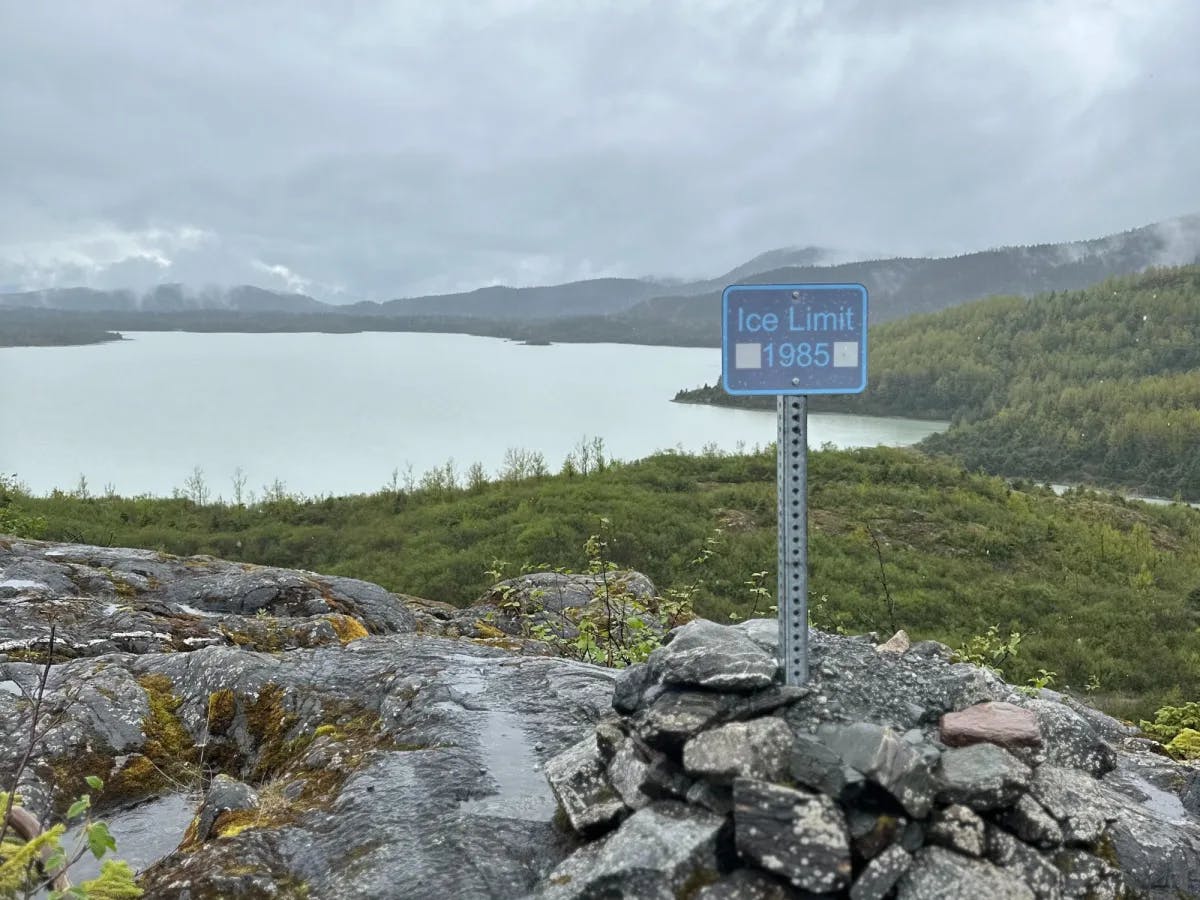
(895, 772)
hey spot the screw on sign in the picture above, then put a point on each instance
(792, 340)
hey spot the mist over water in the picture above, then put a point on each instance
(335, 414)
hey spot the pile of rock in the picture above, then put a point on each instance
(894, 772)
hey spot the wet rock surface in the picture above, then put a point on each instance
(873, 803)
(368, 767)
(385, 757)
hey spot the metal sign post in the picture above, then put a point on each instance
(791, 483)
(793, 340)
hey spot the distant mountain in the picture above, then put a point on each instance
(778, 259)
(164, 298)
(596, 296)
(662, 311)
(903, 286)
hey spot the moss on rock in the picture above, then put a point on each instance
(167, 741)
(347, 628)
(222, 708)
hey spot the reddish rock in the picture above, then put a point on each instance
(998, 723)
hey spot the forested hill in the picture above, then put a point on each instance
(905, 287)
(1097, 385)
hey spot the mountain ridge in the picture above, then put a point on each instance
(631, 309)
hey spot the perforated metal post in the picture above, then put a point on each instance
(791, 482)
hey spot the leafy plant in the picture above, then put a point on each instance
(618, 628)
(992, 651)
(32, 857)
(1185, 745)
(756, 588)
(1043, 679)
(1177, 728)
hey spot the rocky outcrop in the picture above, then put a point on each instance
(111, 600)
(893, 773)
(386, 757)
(375, 761)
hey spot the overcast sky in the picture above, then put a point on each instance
(369, 150)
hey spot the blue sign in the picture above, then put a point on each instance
(794, 339)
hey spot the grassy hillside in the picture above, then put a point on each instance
(1103, 591)
(1096, 385)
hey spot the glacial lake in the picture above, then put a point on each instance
(337, 413)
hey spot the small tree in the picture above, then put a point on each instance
(239, 486)
(195, 488)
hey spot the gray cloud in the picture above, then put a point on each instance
(373, 150)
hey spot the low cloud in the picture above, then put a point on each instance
(386, 149)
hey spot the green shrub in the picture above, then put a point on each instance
(1185, 745)
(1171, 721)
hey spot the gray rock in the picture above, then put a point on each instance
(887, 759)
(40, 577)
(815, 765)
(1190, 795)
(873, 832)
(912, 838)
(747, 884)
(938, 874)
(1070, 740)
(676, 715)
(932, 650)
(757, 749)
(654, 854)
(1085, 875)
(982, 776)
(881, 874)
(610, 737)
(901, 692)
(112, 706)
(380, 611)
(630, 687)
(580, 781)
(764, 633)
(641, 775)
(446, 766)
(111, 600)
(958, 828)
(797, 834)
(1155, 856)
(716, 657)
(224, 795)
(1035, 870)
(1031, 823)
(898, 644)
(759, 703)
(715, 798)
(1080, 805)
